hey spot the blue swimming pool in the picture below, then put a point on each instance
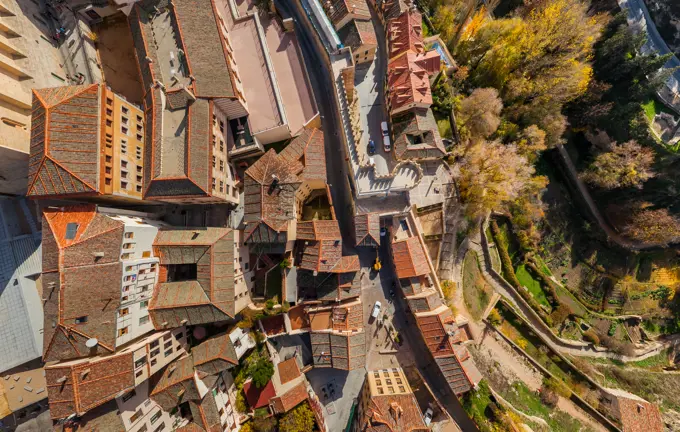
(442, 54)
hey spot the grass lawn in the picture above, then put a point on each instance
(475, 404)
(476, 291)
(274, 284)
(534, 286)
(653, 107)
(527, 401)
(444, 126)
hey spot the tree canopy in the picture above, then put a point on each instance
(299, 419)
(626, 165)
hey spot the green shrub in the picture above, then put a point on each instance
(494, 318)
(285, 307)
(612, 328)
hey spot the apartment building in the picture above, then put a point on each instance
(359, 35)
(29, 58)
(408, 95)
(193, 95)
(387, 401)
(98, 275)
(81, 385)
(337, 335)
(86, 141)
(196, 283)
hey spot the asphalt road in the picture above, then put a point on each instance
(320, 78)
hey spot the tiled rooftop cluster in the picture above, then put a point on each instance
(437, 326)
(409, 95)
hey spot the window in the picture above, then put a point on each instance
(123, 331)
(246, 266)
(143, 320)
(125, 120)
(109, 101)
(109, 123)
(139, 373)
(402, 389)
(142, 429)
(167, 345)
(168, 352)
(214, 161)
(109, 111)
(123, 164)
(160, 427)
(221, 145)
(81, 320)
(123, 129)
(128, 245)
(108, 159)
(71, 230)
(391, 389)
(221, 186)
(154, 353)
(139, 179)
(140, 137)
(124, 298)
(107, 182)
(108, 170)
(213, 184)
(146, 254)
(139, 128)
(153, 344)
(136, 416)
(124, 311)
(156, 416)
(153, 362)
(128, 396)
(123, 185)
(139, 188)
(125, 110)
(139, 169)
(139, 118)
(129, 235)
(222, 165)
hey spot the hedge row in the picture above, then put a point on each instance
(509, 275)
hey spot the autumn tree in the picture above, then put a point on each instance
(538, 61)
(479, 114)
(491, 174)
(525, 212)
(530, 142)
(626, 165)
(299, 419)
(451, 17)
(642, 222)
(264, 423)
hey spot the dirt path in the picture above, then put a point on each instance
(570, 408)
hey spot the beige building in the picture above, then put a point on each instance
(387, 401)
(86, 141)
(29, 59)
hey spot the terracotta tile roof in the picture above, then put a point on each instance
(408, 83)
(210, 297)
(440, 344)
(256, 397)
(329, 287)
(358, 33)
(306, 155)
(204, 48)
(393, 8)
(273, 325)
(214, 355)
(205, 413)
(176, 383)
(290, 399)
(409, 258)
(104, 418)
(342, 8)
(405, 33)
(298, 317)
(268, 209)
(339, 350)
(65, 146)
(367, 228)
(426, 303)
(417, 136)
(639, 416)
(319, 230)
(398, 412)
(288, 370)
(71, 273)
(78, 388)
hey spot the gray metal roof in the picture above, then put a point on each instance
(21, 313)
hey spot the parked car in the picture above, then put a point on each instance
(428, 416)
(383, 232)
(371, 147)
(376, 310)
(387, 145)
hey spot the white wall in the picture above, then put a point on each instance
(225, 398)
(243, 272)
(148, 409)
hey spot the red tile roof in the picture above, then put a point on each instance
(290, 399)
(288, 370)
(273, 325)
(258, 397)
(65, 146)
(77, 388)
(409, 258)
(340, 9)
(405, 33)
(639, 416)
(306, 155)
(408, 83)
(367, 227)
(398, 412)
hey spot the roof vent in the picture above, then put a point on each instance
(91, 343)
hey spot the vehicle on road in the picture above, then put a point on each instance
(387, 145)
(377, 265)
(376, 309)
(371, 147)
(428, 416)
(383, 232)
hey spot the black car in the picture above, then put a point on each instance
(371, 147)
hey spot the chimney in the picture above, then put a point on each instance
(98, 255)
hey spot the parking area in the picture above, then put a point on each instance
(368, 83)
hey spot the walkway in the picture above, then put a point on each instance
(575, 348)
